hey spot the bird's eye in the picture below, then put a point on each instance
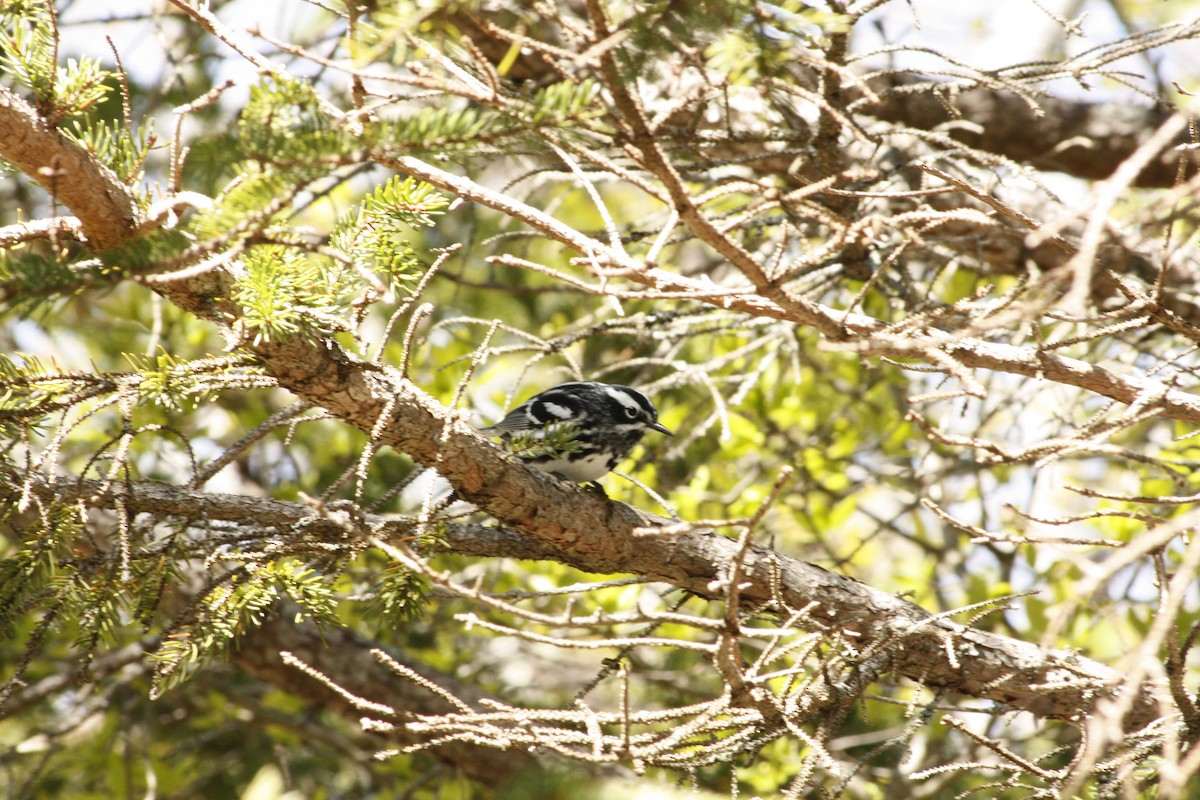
(631, 412)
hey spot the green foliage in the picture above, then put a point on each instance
(404, 201)
(27, 56)
(556, 440)
(178, 386)
(237, 603)
(377, 238)
(35, 276)
(28, 49)
(444, 129)
(31, 390)
(284, 293)
(563, 102)
(40, 568)
(99, 605)
(81, 85)
(257, 196)
(399, 596)
(285, 125)
(120, 147)
(477, 129)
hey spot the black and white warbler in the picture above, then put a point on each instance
(604, 421)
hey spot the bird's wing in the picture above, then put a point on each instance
(562, 404)
(516, 420)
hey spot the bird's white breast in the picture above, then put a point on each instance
(586, 468)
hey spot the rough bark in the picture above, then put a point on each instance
(550, 520)
(107, 208)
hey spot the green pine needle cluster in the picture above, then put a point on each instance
(398, 596)
(563, 102)
(555, 440)
(284, 125)
(477, 129)
(121, 148)
(178, 385)
(376, 238)
(40, 568)
(256, 197)
(30, 390)
(283, 293)
(72, 92)
(227, 611)
(27, 51)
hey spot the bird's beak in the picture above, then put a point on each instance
(658, 426)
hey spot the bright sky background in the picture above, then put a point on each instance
(987, 34)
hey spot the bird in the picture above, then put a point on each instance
(601, 422)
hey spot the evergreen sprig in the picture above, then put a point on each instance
(283, 293)
(477, 129)
(121, 148)
(29, 390)
(257, 195)
(377, 237)
(27, 56)
(230, 609)
(40, 569)
(283, 124)
(556, 439)
(563, 102)
(175, 384)
(398, 596)
(27, 49)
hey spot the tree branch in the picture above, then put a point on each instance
(341, 655)
(594, 535)
(107, 208)
(1085, 140)
(835, 324)
(346, 659)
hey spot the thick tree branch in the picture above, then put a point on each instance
(587, 532)
(107, 208)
